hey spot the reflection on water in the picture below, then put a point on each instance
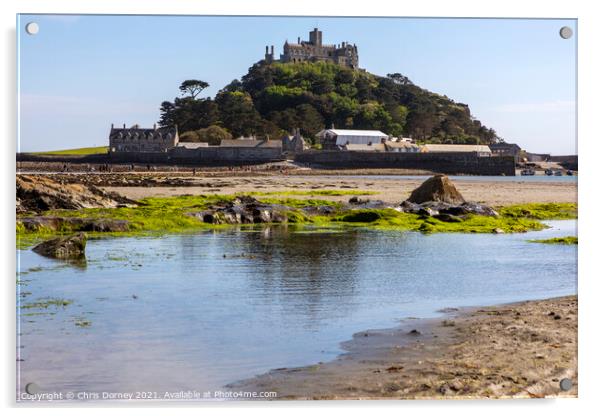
(197, 311)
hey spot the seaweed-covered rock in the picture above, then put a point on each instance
(50, 223)
(242, 210)
(448, 218)
(70, 247)
(410, 207)
(479, 209)
(438, 197)
(438, 188)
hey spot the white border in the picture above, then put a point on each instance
(590, 95)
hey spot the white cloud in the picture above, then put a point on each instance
(556, 106)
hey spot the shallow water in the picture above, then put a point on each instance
(191, 312)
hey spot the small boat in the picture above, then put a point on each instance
(527, 172)
(549, 172)
(558, 173)
(569, 173)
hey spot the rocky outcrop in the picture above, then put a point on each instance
(432, 208)
(66, 248)
(39, 193)
(49, 223)
(438, 189)
(243, 210)
(437, 196)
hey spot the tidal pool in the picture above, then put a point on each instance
(197, 311)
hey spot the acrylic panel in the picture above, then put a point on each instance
(287, 208)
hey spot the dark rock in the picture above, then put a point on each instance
(355, 200)
(414, 332)
(427, 212)
(73, 224)
(242, 210)
(457, 210)
(411, 207)
(70, 247)
(319, 210)
(479, 209)
(438, 188)
(448, 218)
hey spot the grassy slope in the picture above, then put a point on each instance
(80, 151)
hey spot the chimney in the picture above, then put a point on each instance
(299, 40)
(155, 126)
(124, 126)
(111, 126)
(272, 50)
(266, 49)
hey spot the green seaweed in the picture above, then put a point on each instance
(546, 211)
(390, 219)
(314, 192)
(46, 303)
(159, 216)
(301, 203)
(82, 322)
(569, 240)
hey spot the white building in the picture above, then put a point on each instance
(337, 138)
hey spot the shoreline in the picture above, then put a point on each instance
(515, 350)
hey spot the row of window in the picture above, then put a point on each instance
(142, 136)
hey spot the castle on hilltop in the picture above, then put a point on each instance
(314, 50)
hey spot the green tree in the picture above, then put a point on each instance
(212, 135)
(238, 113)
(188, 113)
(193, 87)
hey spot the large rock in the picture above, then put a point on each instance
(66, 248)
(41, 193)
(439, 189)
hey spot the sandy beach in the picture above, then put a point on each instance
(519, 350)
(389, 190)
(137, 185)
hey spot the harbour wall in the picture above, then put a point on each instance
(448, 163)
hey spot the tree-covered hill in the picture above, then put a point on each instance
(275, 98)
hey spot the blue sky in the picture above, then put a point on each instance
(79, 74)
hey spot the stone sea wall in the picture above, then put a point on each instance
(448, 163)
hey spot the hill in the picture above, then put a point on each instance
(274, 98)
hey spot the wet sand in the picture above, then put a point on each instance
(391, 191)
(519, 350)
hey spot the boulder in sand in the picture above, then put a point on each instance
(439, 189)
(66, 248)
